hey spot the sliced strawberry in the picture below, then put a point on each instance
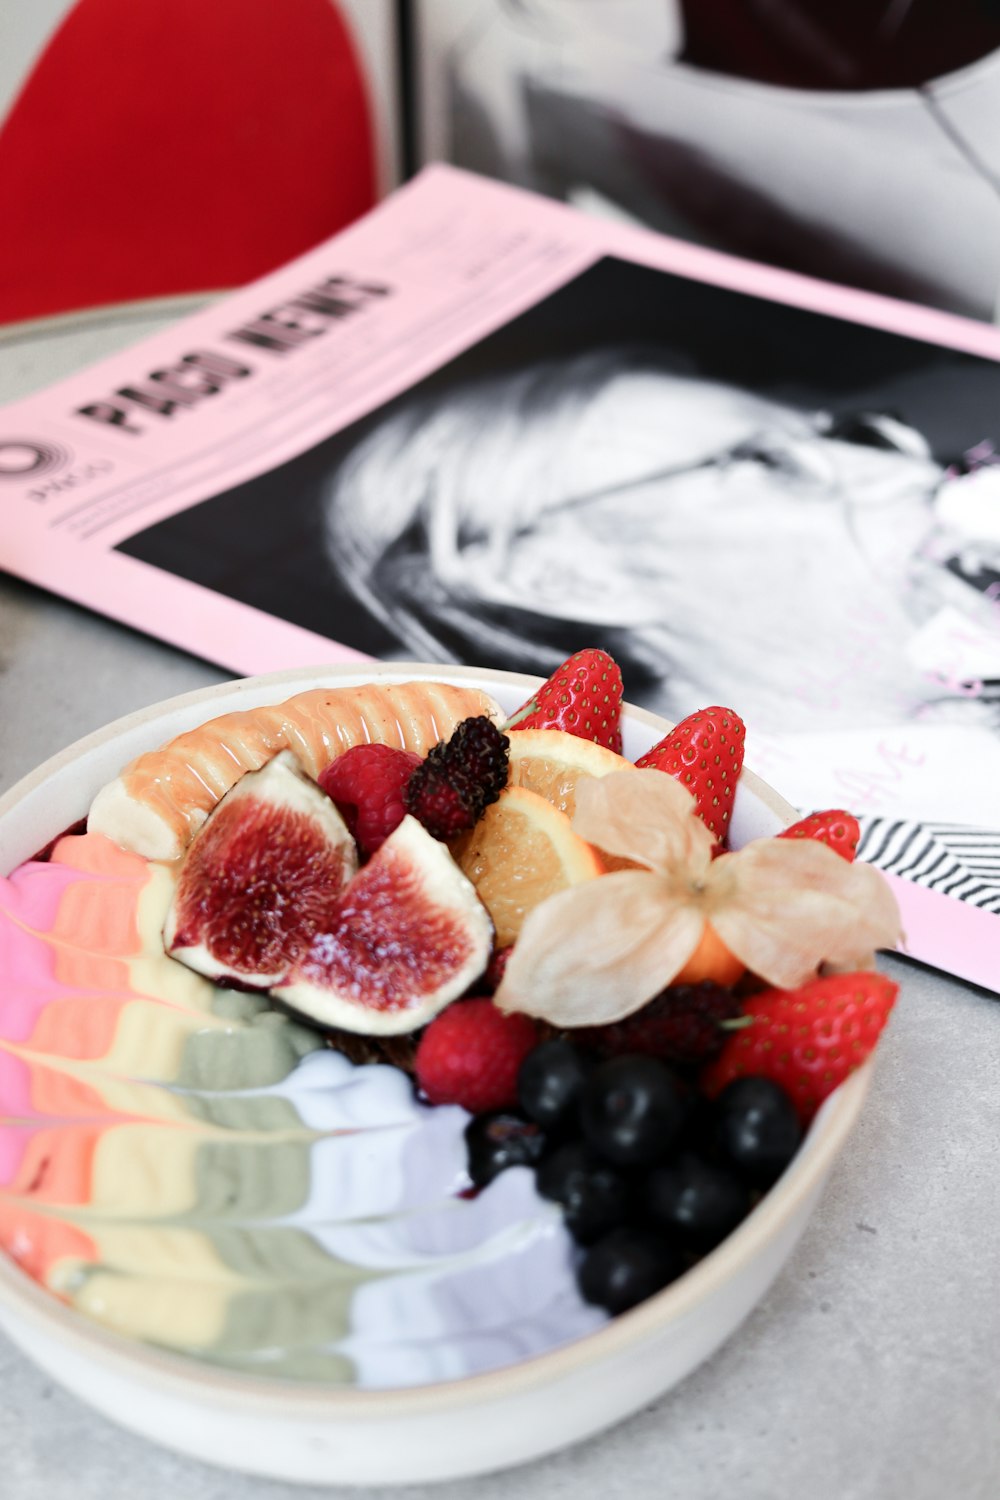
(705, 753)
(583, 697)
(807, 1040)
(839, 830)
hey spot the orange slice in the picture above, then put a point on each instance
(522, 850)
(551, 762)
(711, 960)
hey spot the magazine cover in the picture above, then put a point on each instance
(478, 426)
(161, 148)
(858, 141)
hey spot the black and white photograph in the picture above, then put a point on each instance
(743, 502)
(740, 500)
(859, 142)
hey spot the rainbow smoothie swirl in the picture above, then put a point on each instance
(189, 1167)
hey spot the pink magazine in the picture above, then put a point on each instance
(478, 425)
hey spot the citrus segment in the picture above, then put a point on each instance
(521, 851)
(551, 762)
(711, 960)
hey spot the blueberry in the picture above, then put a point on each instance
(550, 1080)
(500, 1140)
(594, 1197)
(696, 1201)
(757, 1129)
(626, 1267)
(632, 1109)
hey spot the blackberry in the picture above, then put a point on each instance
(682, 1025)
(436, 803)
(479, 752)
(459, 778)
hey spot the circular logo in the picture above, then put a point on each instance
(28, 458)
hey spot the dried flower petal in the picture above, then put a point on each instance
(785, 916)
(598, 951)
(646, 816)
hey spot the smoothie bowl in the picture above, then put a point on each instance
(255, 1205)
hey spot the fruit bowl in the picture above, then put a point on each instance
(305, 1430)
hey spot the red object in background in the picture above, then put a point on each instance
(169, 146)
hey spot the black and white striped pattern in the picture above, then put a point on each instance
(947, 857)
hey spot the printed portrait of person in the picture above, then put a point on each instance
(721, 544)
(745, 503)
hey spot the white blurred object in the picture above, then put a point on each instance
(934, 772)
(956, 649)
(970, 504)
(895, 189)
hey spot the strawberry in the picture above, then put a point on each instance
(705, 753)
(470, 1054)
(806, 1040)
(583, 697)
(840, 831)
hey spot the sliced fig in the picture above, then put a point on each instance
(260, 878)
(408, 935)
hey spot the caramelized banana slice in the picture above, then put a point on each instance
(156, 805)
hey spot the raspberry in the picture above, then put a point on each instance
(451, 789)
(470, 1055)
(367, 783)
(682, 1025)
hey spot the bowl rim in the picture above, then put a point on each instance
(179, 1374)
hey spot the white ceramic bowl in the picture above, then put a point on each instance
(309, 1432)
